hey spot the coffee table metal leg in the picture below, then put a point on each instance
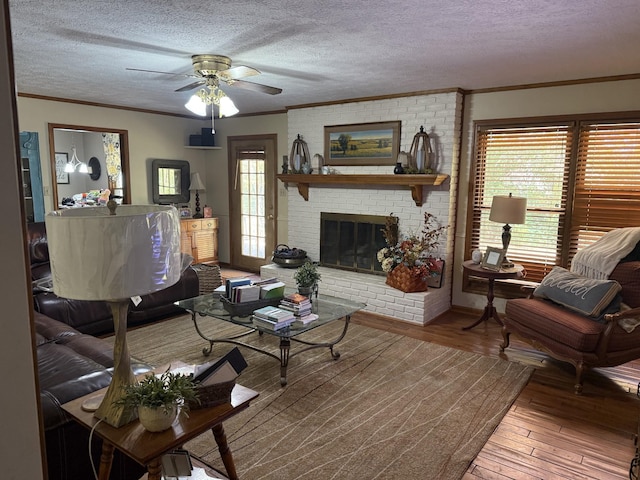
(225, 452)
(285, 345)
(334, 354)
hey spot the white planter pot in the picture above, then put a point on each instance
(157, 419)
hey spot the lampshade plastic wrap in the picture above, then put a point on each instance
(98, 256)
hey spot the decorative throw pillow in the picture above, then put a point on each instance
(581, 294)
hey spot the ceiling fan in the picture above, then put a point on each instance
(211, 69)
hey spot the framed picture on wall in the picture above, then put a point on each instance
(61, 162)
(362, 144)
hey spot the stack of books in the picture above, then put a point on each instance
(272, 318)
(242, 290)
(300, 306)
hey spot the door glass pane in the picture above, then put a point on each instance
(252, 195)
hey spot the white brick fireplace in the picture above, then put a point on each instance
(440, 114)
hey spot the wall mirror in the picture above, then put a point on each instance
(170, 181)
(101, 161)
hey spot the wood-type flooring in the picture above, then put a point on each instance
(549, 433)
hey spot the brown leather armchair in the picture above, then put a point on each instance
(575, 338)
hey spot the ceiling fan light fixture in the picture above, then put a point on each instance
(196, 105)
(227, 108)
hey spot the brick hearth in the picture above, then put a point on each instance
(420, 308)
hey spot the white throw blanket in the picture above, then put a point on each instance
(599, 259)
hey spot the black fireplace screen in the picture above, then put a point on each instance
(351, 242)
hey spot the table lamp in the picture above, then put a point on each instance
(195, 185)
(508, 210)
(97, 253)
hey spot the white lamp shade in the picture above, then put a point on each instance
(508, 209)
(196, 105)
(196, 182)
(98, 256)
(227, 107)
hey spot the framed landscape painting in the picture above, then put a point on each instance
(362, 144)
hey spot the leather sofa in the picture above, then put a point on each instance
(72, 364)
(584, 341)
(94, 317)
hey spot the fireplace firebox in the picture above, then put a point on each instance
(351, 242)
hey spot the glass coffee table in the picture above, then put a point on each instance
(328, 308)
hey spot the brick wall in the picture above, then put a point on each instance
(440, 114)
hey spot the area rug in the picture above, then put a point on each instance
(390, 407)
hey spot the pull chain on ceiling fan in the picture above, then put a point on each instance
(211, 69)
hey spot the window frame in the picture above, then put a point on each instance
(564, 249)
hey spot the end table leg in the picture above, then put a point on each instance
(225, 452)
(154, 469)
(106, 459)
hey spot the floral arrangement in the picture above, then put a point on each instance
(415, 250)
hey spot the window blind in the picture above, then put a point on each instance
(530, 162)
(607, 181)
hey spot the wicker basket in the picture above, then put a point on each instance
(212, 395)
(209, 277)
(401, 278)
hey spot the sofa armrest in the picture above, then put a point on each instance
(629, 313)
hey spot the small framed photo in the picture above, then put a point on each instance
(185, 212)
(492, 259)
(435, 281)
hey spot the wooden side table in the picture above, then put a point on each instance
(476, 270)
(147, 448)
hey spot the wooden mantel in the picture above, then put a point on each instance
(414, 181)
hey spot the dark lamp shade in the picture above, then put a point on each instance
(508, 209)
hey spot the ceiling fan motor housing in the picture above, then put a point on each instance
(207, 65)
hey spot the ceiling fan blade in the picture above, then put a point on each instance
(256, 87)
(191, 86)
(164, 73)
(240, 71)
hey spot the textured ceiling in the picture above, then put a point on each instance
(316, 51)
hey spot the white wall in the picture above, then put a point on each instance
(615, 96)
(150, 136)
(20, 448)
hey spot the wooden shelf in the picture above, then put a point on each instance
(414, 182)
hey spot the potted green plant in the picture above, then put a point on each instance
(307, 277)
(159, 398)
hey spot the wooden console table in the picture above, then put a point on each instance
(414, 181)
(147, 448)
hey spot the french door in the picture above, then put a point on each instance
(252, 200)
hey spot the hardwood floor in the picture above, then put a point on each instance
(549, 432)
